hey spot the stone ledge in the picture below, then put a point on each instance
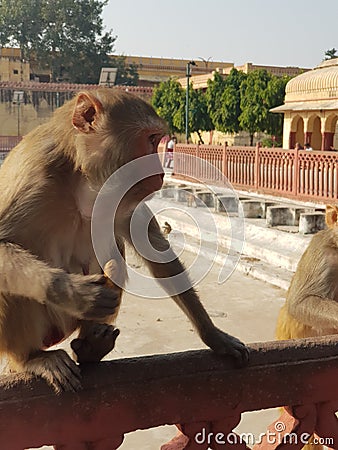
(137, 393)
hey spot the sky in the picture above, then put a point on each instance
(267, 32)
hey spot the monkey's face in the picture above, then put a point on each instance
(114, 129)
(146, 173)
(146, 144)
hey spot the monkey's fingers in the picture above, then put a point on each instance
(67, 376)
(57, 368)
(225, 344)
(105, 303)
(98, 342)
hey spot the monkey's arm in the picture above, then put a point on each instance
(314, 311)
(172, 276)
(22, 274)
(312, 295)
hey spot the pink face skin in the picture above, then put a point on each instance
(146, 144)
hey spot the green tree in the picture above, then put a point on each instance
(275, 93)
(67, 35)
(20, 24)
(214, 100)
(231, 101)
(254, 103)
(168, 100)
(331, 54)
(126, 74)
(198, 116)
(224, 101)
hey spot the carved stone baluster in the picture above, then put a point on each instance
(327, 422)
(103, 444)
(217, 435)
(191, 436)
(291, 431)
(223, 435)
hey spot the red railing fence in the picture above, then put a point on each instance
(300, 174)
(6, 144)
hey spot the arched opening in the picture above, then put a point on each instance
(296, 131)
(299, 130)
(330, 138)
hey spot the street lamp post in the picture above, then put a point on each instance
(189, 64)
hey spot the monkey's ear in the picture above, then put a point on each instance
(331, 215)
(87, 110)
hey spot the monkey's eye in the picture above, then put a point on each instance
(153, 139)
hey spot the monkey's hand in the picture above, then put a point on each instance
(83, 296)
(97, 343)
(225, 344)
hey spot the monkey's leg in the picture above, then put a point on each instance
(55, 366)
(96, 340)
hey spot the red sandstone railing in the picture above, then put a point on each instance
(68, 87)
(7, 143)
(200, 392)
(305, 175)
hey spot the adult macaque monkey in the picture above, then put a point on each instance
(51, 283)
(311, 307)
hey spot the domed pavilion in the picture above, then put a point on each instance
(311, 108)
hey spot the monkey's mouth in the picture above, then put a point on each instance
(146, 187)
(155, 181)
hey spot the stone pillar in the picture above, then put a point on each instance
(307, 137)
(327, 140)
(292, 139)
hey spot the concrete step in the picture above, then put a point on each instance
(269, 254)
(250, 266)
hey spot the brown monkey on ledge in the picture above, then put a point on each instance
(51, 283)
(311, 307)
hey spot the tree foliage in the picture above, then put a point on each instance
(331, 53)
(254, 103)
(126, 74)
(275, 93)
(223, 96)
(65, 36)
(239, 102)
(231, 101)
(199, 118)
(260, 92)
(167, 100)
(213, 95)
